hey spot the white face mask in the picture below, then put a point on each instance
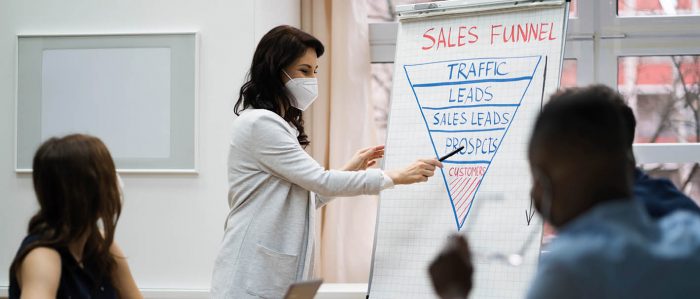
(303, 90)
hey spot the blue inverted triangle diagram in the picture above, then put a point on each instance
(470, 103)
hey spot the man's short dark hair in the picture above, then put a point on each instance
(585, 119)
(627, 115)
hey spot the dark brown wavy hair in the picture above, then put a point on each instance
(75, 182)
(264, 89)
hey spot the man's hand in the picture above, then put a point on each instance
(451, 271)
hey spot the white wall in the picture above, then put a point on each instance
(171, 225)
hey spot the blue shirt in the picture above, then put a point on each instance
(660, 196)
(615, 250)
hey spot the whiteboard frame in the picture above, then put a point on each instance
(386, 40)
(431, 9)
(194, 170)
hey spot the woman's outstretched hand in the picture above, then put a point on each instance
(364, 158)
(418, 171)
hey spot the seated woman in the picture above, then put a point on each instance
(70, 250)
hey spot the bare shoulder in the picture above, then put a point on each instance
(123, 280)
(42, 258)
(40, 271)
(116, 251)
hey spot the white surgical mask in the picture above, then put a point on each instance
(303, 90)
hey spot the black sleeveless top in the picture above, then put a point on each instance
(75, 283)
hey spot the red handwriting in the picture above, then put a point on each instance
(435, 38)
(448, 38)
(522, 33)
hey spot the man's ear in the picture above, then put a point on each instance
(630, 156)
(631, 166)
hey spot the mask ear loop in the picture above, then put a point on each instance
(293, 82)
(288, 76)
(546, 185)
(516, 259)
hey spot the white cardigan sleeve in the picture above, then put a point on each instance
(278, 152)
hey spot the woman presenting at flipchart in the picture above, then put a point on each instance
(268, 238)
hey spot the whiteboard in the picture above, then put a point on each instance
(135, 92)
(462, 79)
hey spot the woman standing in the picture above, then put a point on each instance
(268, 238)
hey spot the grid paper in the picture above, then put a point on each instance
(414, 221)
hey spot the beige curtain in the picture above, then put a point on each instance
(340, 123)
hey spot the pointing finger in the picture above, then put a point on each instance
(433, 162)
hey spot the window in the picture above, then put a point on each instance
(664, 92)
(572, 9)
(569, 73)
(629, 8)
(649, 51)
(382, 75)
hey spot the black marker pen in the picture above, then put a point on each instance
(443, 158)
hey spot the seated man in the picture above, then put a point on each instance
(659, 195)
(607, 246)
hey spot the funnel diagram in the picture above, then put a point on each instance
(470, 103)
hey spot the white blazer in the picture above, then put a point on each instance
(268, 237)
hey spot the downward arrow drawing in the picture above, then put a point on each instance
(529, 213)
